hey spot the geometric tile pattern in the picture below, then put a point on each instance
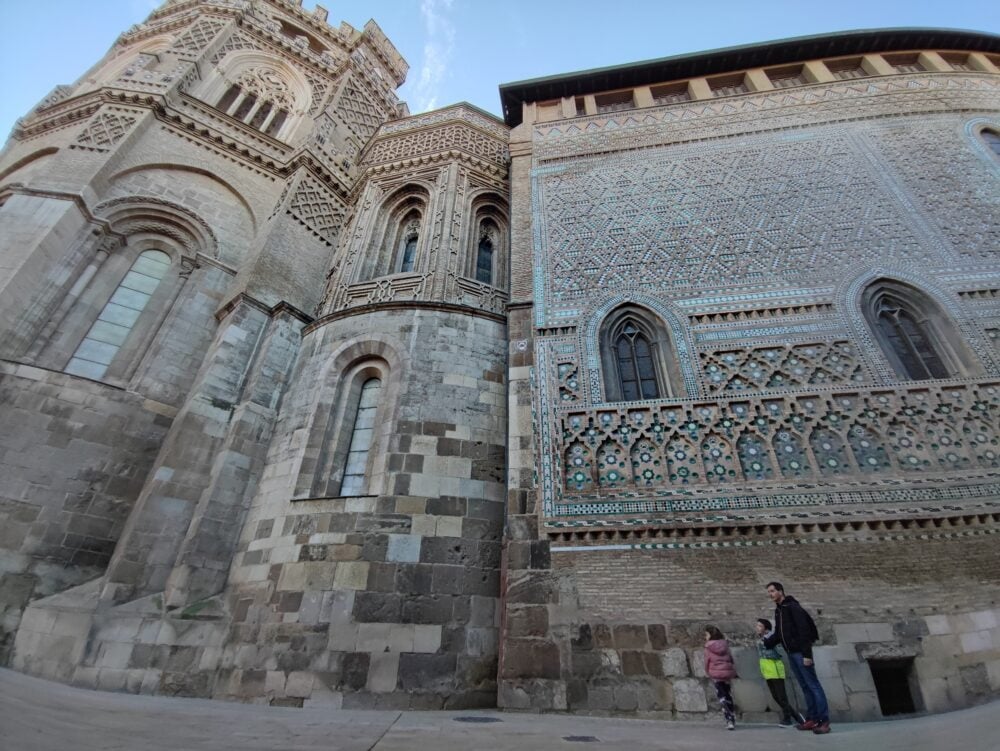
(954, 185)
(664, 446)
(689, 215)
(775, 367)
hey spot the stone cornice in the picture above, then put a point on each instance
(908, 525)
(403, 305)
(243, 298)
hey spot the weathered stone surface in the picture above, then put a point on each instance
(689, 695)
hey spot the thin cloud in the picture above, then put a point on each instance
(438, 51)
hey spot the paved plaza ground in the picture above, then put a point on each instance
(37, 715)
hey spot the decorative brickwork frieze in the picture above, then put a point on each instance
(948, 186)
(665, 218)
(731, 317)
(198, 37)
(106, 129)
(672, 448)
(456, 136)
(317, 208)
(360, 112)
(319, 87)
(756, 368)
(458, 112)
(753, 113)
(569, 381)
(235, 42)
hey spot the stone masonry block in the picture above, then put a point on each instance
(863, 632)
(675, 663)
(530, 658)
(857, 676)
(383, 672)
(351, 575)
(976, 641)
(689, 695)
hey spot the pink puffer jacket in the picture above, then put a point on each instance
(719, 665)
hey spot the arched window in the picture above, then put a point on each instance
(108, 333)
(992, 140)
(636, 356)
(911, 331)
(484, 261)
(355, 468)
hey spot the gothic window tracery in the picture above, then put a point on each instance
(911, 331)
(636, 356)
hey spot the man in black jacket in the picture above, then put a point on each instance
(795, 630)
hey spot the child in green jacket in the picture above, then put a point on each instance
(773, 670)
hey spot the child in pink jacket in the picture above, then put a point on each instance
(719, 666)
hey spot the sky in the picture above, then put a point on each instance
(462, 50)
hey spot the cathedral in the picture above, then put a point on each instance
(306, 401)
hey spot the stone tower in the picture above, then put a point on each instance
(254, 343)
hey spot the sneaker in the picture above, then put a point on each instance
(732, 726)
(822, 728)
(786, 722)
(807, 725)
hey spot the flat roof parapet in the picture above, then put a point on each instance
(759, 55)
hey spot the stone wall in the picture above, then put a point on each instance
(622, 630)
(647, 520)
(73, 455)
(388, 599)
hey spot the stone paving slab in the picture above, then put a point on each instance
(37, 715)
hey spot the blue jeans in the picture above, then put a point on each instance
(816, 706)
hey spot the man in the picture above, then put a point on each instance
(795, 630)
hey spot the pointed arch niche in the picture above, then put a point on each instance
(916, 336)
(399, 240)
(637, 356)
(488, 241)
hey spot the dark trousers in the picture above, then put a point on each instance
(816, 706)
(725, 696)
(780, 695)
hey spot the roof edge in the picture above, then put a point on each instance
(759, 54)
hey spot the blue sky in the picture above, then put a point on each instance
(463, 49)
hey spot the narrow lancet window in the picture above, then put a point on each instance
(409, 251)
(353, 483)
(484, 261)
